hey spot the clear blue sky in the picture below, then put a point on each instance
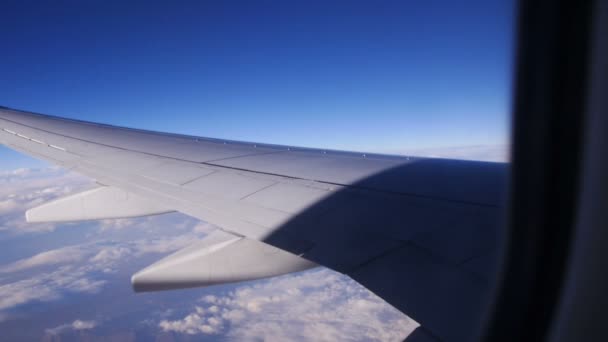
(352, 75)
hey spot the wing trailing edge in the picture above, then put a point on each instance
(219, 258)
(105, 202)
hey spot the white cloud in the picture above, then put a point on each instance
(318, 305)
(163, 244)
(118, 224)
(48, 286)
(24, 291)
(8, 205)
(17, 172)
(79, 267)
(192, 324)
(81, 325)
(56, 256)
(23, 189)
(108, 255)
(76, 325)
(492, 153)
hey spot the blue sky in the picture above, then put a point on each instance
(371, 76)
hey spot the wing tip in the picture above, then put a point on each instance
(31, 217)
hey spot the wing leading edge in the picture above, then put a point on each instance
(420, 233)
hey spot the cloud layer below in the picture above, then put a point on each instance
(490, 153)
(318, 305)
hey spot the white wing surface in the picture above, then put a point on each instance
(420, 233)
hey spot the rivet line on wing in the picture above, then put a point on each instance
(34, 140)
(57, 147)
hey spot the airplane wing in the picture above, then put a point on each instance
(420, 233)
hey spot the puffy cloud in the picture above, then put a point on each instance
(24, 291)
(79, 267)
(75, 278)
(192, 324)
(56, 256)
(21, 172)
(8, 205)
(109, 255)
(47, 181)
(318, 305)
(81, 325)
(118, 224)
(76, 325)
(163, 244)
(179, 223)
(23, 189)
(48, 286)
